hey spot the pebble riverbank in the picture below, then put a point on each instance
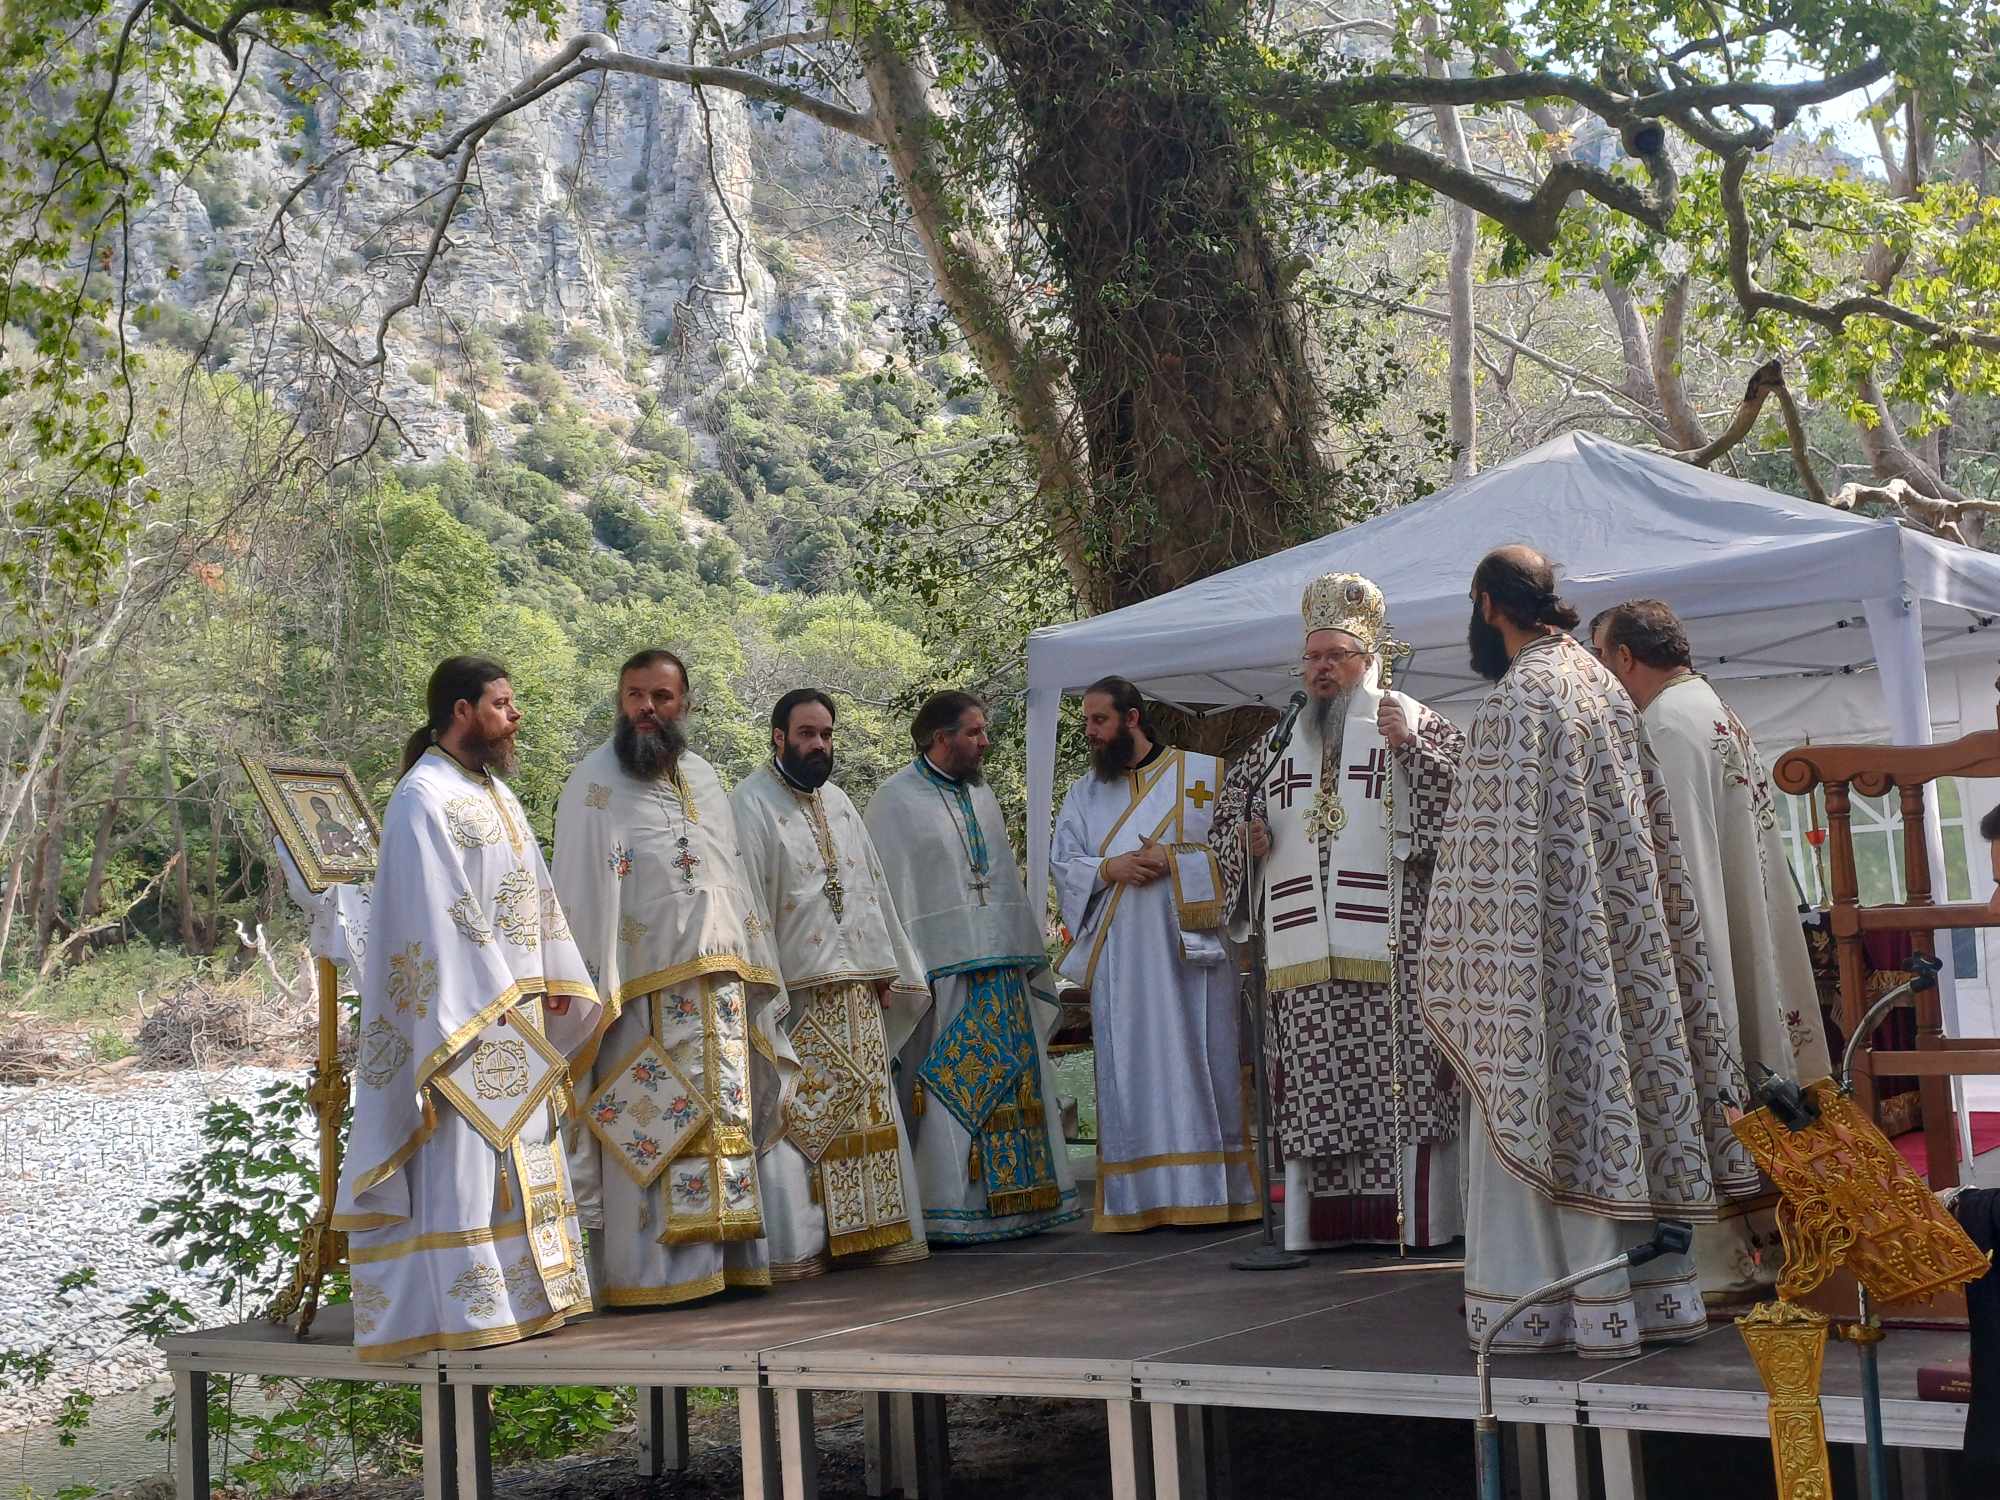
(77, 1164)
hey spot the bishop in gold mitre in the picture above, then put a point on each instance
(1345, 822)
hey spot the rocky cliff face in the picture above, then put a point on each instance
(654, 240)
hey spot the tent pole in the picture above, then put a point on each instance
(1895, 630)
(1044, 711)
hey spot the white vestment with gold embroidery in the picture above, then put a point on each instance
(685, 1083)
(841, 1184)
(959, 895)
(460, 1216)
(1173, 1142)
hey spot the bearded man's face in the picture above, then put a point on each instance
(805, 749)
(489, 735)
(649, 738)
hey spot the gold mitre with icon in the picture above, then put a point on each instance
(1349, 602)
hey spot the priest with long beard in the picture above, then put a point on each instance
(686, 1079)
(841, 1188)
(1142, 899)
(989, 1153)
(1565, 976)
(453, 1195)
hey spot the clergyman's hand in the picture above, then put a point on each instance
(556, 1005)
(1394, 724)
(1130, 868)
(1153, 859)
(1260, 837)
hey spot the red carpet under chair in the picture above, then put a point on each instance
(1985, 1138)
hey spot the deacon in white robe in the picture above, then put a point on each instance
(1743, 888)
(459, 1213)
(1346, 821)
(1142, 898)
(840, 1187)
(991, 1163)
(687, 1079)
(1565, 976)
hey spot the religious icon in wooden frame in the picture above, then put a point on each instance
(318, 813)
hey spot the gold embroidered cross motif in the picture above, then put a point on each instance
(500, 1069)
(1200, 796)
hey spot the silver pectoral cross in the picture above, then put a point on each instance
(981, 885)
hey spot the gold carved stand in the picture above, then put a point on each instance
(322, 1248)
(1849, 1199)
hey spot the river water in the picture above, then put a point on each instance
(113, 1450)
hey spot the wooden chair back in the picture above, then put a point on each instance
(1841, 771)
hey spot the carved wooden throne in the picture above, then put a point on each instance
(1872, 770)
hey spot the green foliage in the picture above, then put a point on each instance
(543, 383)
(565, 448)
(532, 335)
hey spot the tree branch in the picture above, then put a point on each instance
(757, 46)
(1309, 101)
(1532, 220)
(1520, 347)
(1833, 317)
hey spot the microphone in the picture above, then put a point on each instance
(1281, 736)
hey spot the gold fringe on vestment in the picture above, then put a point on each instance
(708, 1232)
(879, 1238)
(1028, 1200)
(1320, 970)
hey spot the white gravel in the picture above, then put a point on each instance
(77, 1163)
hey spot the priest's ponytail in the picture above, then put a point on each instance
(1522, 585)
(457, 678)
(414, 748)
(1551, 609)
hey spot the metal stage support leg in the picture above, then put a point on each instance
(472, 1417)
(438, 1404)
(1190, 1452)
(757, 1422)
(1569, 1463)
(798, 1451)
(1624, 1463)
(1524, 1470)
(878, 1452)
(191, 1435)
(663, 1430)
(921, 1442)
(1130, 1428)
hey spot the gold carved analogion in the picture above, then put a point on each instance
(1849, 1199)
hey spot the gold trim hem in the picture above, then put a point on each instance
(359, 1223)
(443, 1239)
(1239, 1156)
(477, 1338)
(685, 1291)
(1153, 1218)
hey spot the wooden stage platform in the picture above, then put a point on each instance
(1156, 1326)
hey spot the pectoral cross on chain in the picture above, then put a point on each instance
(981, 885)
(687, 861)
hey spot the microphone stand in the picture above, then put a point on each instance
(1269, 1256)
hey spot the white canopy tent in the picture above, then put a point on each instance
(1772, 587)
